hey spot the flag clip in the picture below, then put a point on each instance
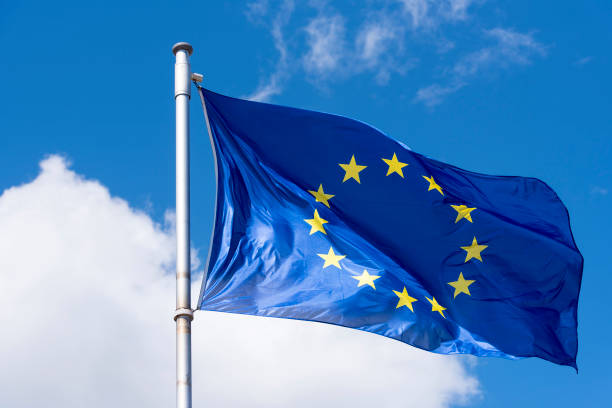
(195, 77)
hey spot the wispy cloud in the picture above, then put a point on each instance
(433, 95)
(326, 44)
(380, 48)
(325, 47)
(373, 42)
(583, 61)
(428, 14)
(417, 10)
(511, 48)
(599, 191)
(330, 50)
(273, 84)
(257, 9)
(377, 47)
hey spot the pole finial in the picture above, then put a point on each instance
(182, 46)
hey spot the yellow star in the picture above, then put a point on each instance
(435, 307)
(461, 285)
(433, 185)
(366, 279)
(352, 170)
(404, 299)
(463, 211)
(332, 259)
(320, 195)
(474, 250)
(316, 223)
(395, 166)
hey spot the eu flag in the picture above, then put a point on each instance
(324, 218)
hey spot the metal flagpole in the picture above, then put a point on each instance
(183, 314)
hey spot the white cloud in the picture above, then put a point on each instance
(599, 190)
(266, 90)
(379, 42)
(511, 48)
(255, 10)
(434, 94)
(515, 47)
(373, 41)
(86, 298)
(379, 48)
(284, 363)
(583, 61)
(418, 11)
(332, 50)
(273, 84)
(429, 14)
(457, 9)
(325, 39)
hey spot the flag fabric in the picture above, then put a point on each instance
(324, 218)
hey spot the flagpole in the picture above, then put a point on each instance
(183, 314)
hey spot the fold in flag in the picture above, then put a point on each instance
(324, 218)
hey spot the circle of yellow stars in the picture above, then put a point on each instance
(351, 172)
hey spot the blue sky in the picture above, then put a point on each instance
(510, 88)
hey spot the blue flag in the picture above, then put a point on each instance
(324, 218)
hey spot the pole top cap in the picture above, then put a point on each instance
(182, 46)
